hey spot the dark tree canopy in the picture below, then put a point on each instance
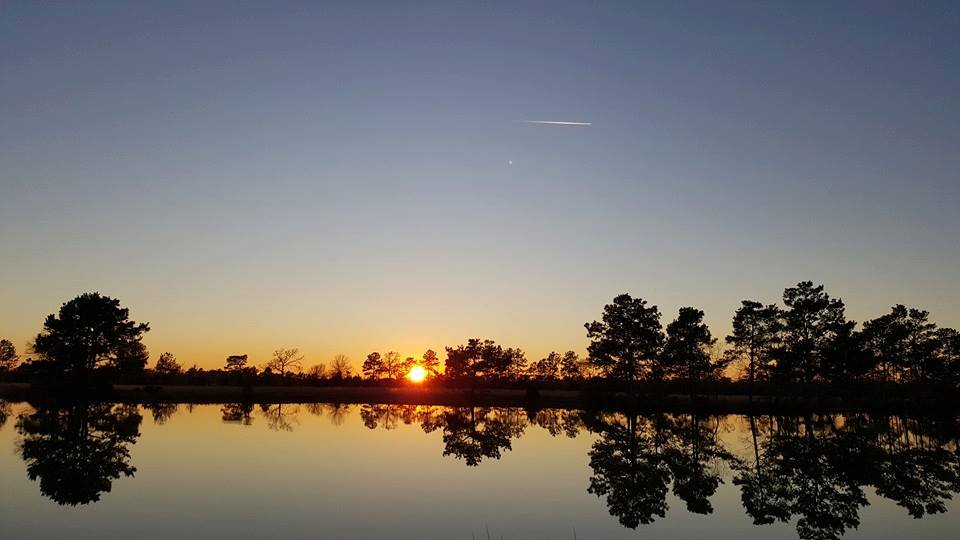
(685, 354)
(431, 362)
(167, 364)
(756, 337)
(236, 362)
(8, 355)
(132, 357)
(90, 331)
(484, 359)
(814, 324)
(372, 367)
(903, 344)
(626, 343)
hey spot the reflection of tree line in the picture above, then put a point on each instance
(815, 469)
(812, 470)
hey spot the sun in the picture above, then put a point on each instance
(417, 374)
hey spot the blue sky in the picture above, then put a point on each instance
(252, 175)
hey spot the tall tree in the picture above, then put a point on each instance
(340, 367)
(570, 366)
(625, 344)
(685, 353)
(431, 362)
(89, 331)
(813, 324)
(393, 365)
(755, 337)
(8, 355)
(285, 360)
(902, 343)
(373, 366)
(317, 371)
(407, 365)
(167, 364)
(948, 353)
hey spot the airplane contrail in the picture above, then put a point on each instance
(558, 123)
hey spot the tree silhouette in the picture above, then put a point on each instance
(76, 452)
(285, 360)
(626, 343)
(236, 363)
(340, 367)
(131, 357)
(89, 331)
(373, 366)
(393, 365)
(431, 362)
(756, 336)
(167, 364)
(903, 343)
(484, 358)
(546, 368)
(317, 371)
(8, 355)
(813, 323)
(685, 352)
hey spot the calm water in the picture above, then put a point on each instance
(387, 471)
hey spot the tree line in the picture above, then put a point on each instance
(807, 340)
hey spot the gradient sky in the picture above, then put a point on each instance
(251, 175)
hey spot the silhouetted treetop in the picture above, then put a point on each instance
(167, 364)
(625, 343)
(8, 355)
(685, 354)
(90, 331)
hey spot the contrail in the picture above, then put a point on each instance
(558, 123)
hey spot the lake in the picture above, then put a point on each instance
(323, 470)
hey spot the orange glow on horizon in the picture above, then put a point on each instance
(417, 374)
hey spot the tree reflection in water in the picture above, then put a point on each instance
(280, 416)
(4, 413)
(237, 413)
(813, 471)
(637, 457)
(336, 412)
(816, 468)
(77, 451)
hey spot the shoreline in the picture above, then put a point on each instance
(500, 397)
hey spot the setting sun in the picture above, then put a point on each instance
(417, 374)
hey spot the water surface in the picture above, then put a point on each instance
(389, 471)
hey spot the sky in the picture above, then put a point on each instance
(350, 177)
